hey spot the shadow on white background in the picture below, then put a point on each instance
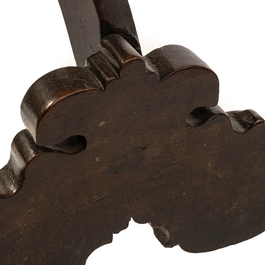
(228, 35)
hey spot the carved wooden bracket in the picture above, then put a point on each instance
(125, 136)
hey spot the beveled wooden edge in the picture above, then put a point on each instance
(167, 60)
(241, 121)
(101, 68)
(23, 151)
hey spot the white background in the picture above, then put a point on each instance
(228, 35)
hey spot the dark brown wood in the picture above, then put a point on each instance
(126, 137)
(88, 21)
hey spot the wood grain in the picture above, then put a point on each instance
(89, 21)
(127, 136)
(141, 145)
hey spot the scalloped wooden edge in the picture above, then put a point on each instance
(101, 68)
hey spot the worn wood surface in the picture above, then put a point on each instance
(125, 137)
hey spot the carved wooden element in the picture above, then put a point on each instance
(125, 137)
